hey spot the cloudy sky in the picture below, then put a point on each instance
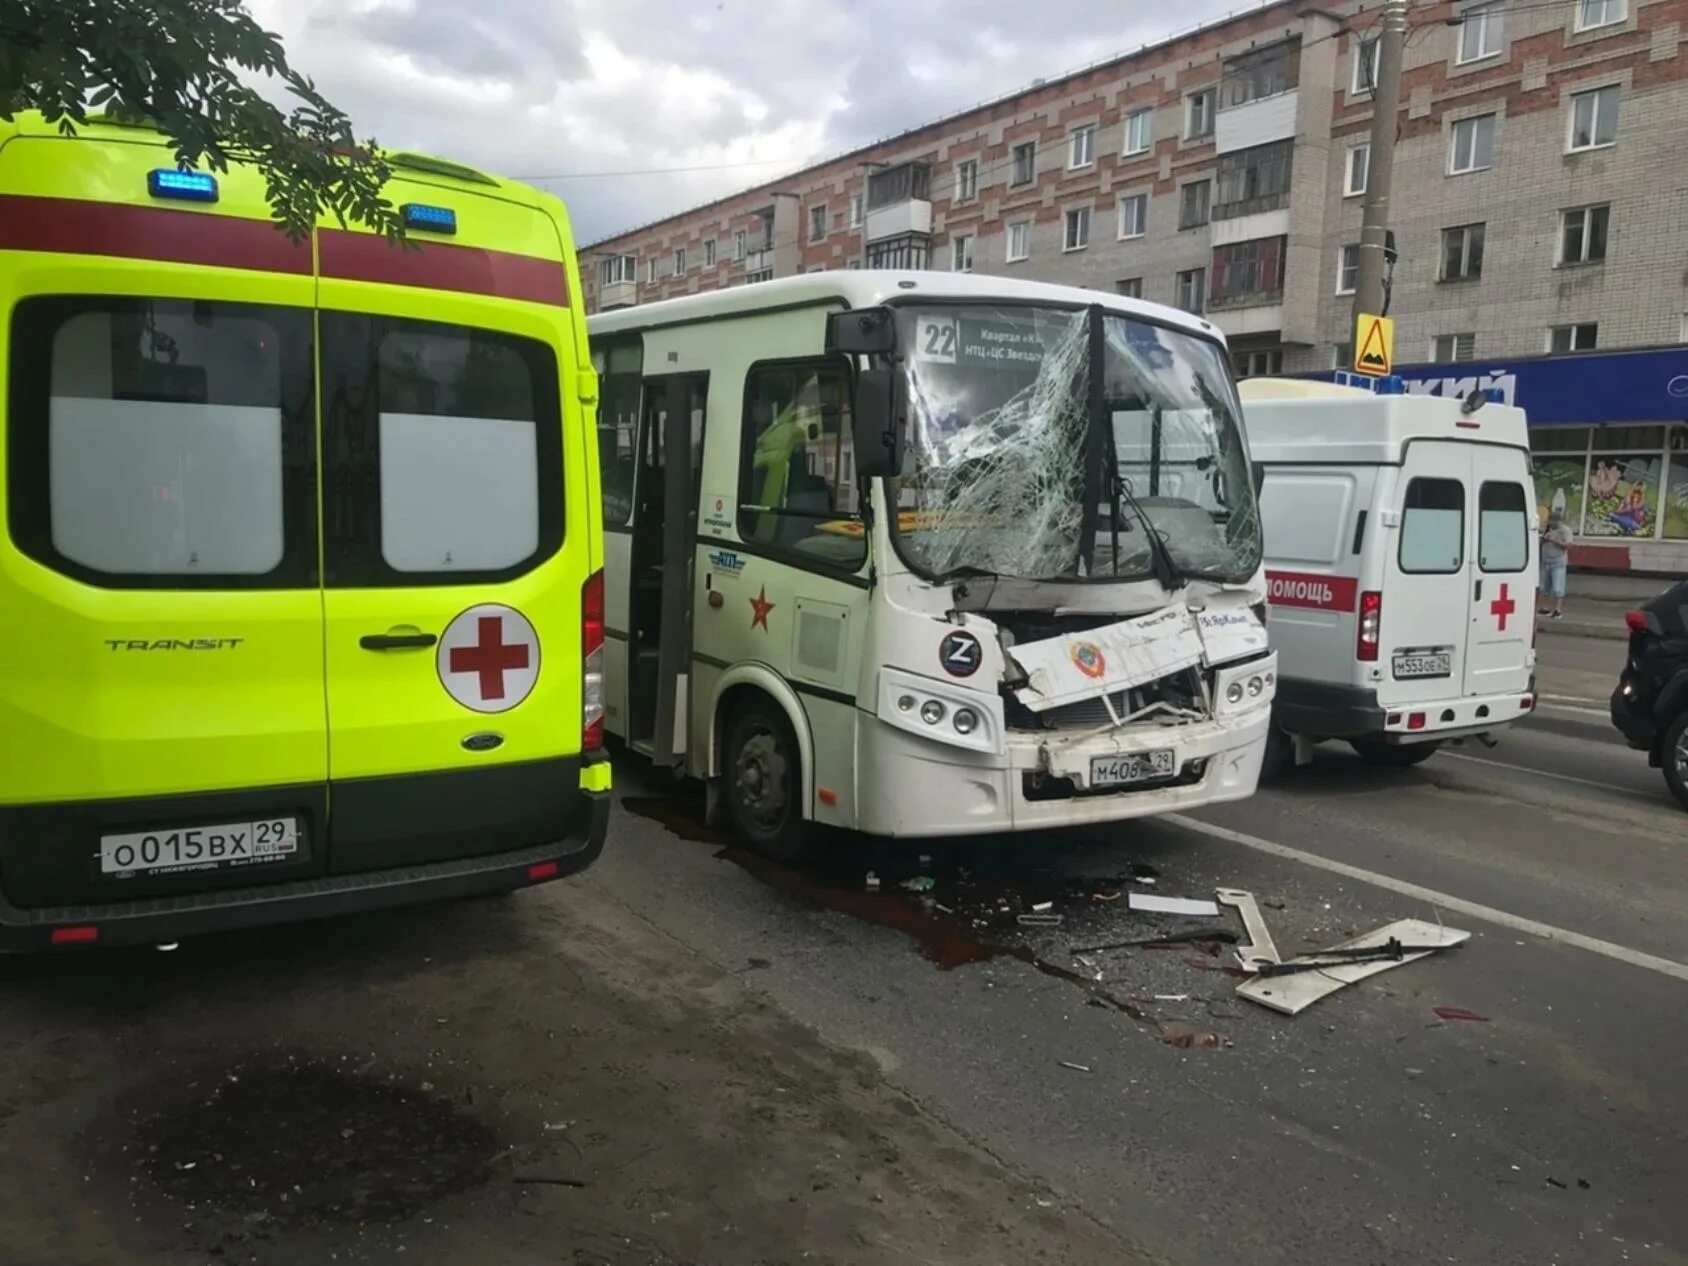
(739, 92)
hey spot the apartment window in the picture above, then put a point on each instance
(1582, 337)
(1019, 240)
(1365, 66)
(1462, 253)
(1356, 170)
(1348, 269)
(1195, 204)
(1448, 348)
(1078, 229)
(906, 182)
(1593, 14)
(1263, 73)
(1582, 234)
(1190, 289)
(967, 180)
(1342, 356)
(908, 250)
(616, 269)
(650, 269)
(709, 253)
(1198, 113)
(764, 274)
(1081, 146)
(856, 211)
(1473, 145)
(1682, 336)
(679, 261)
(817, 222)
(1253, 180)
(1479, 34)
(741, 244)
(1594, 118)
(1133, 215)
(1025, 163)
(1139, 131)
(961, 253)
(1248, 270)
(1262, 362)
(1132, 288)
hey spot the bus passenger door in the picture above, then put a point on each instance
(617, 363)
(664, 535)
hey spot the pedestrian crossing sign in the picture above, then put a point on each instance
(1374, 345)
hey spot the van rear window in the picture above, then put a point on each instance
(443, 452)
(1433, 526)
(163, 443)
(1503, 528)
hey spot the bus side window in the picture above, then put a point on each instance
(618, 428)
(797, 487)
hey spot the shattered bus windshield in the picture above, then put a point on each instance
(1003, 424)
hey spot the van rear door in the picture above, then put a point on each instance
(1503, 575)
(1426, 593)
(456, 522)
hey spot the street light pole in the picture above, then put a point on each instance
(1380, 162)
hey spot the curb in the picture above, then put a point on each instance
(1583, 629)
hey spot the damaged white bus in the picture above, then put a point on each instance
(927, 554)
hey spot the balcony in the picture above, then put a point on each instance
(899, 202)
(1258, 98)
(617, 294)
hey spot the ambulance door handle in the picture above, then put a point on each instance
(1478, 596)
(396, 641)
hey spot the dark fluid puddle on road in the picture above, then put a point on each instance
(969, 914)
(294, 1145)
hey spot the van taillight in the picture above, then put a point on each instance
(1371, 624)
(592, 657)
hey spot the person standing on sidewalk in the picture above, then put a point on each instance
(1555, 551)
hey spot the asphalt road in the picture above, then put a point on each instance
(726, 1038)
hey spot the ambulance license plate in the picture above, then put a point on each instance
(1431, 663)
(222, 847)
(1115, 771)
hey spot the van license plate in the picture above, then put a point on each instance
(1423, 664)
(220, 847)
(1114, 771)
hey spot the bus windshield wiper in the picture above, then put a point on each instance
(1164, 568)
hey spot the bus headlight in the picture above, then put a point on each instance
(1255, 686)
(941, 712)
(931, 712)
(966, 720)
(905, 704)
(1234, 692)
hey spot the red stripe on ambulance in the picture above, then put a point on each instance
(1317, 593)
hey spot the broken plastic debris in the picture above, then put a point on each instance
(1172, 997)
(921, 883)
(1260, 950)
(1459, 1013)
(1104, 896)
(1077, 1068)
(1041, 920)
(872, 882)
(1149, 902)
(1041, 906)
(1323, 975)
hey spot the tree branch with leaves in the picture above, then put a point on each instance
(186, 67)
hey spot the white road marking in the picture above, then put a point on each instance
(1605, 714)
(1446, 901)
(1525, 769)
(1570, 699)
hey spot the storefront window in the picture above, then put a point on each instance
(1559, 486)
(1675, 513)
(1623, 495)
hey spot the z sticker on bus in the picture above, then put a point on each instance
(1316, 593)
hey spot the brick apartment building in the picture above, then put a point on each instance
(1540, 214)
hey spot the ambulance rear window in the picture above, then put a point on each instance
(163, 443)
(443, 452)
(1433, 527)
(1503, 528)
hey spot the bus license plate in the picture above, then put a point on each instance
(1423, 664)
(1115, 771)
(220, 847)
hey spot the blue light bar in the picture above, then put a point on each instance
(189, 186)
(430, 219)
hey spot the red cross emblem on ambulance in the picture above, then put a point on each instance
(488, 658)
(1502, 607)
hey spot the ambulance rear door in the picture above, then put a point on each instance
(455, 521)
(1503, 573)
(1421, 654)
(162, 729)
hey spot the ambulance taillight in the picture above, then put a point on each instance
(1371, 625)
(592, 653)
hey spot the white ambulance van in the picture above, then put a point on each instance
(1400, 563)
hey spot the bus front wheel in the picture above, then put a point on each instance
(763, 782)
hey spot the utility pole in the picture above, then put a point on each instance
(1380, 163)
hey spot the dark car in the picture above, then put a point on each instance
(1650, 705)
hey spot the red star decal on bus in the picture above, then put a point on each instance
(760, 606)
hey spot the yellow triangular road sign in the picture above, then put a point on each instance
(1374, 345)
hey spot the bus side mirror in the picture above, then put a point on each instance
(861, 332)
(878, 422)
